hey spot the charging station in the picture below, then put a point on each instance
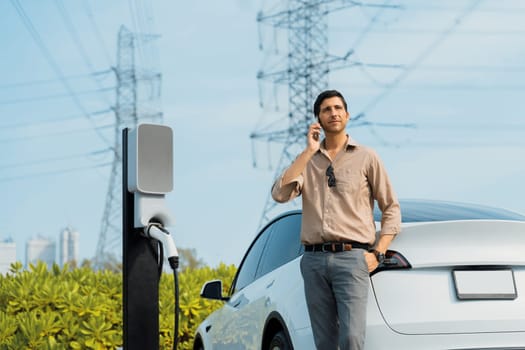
(147, 168)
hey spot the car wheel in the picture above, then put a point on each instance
(279, 342)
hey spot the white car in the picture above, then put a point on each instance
(454, 279)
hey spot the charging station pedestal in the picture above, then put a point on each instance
(143, 201)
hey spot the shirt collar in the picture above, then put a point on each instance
(350, 143)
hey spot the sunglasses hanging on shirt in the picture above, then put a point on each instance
(331, 176)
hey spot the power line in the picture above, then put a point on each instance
(422, 56)
(426, 31)
(435, 8)
(52, 81)
(462, 144)
(53, 134)
(444, 87)
(463, 87)
(368, 28)
(360, 38)
(470, 68)
(53, 159)
(56, 96)
(54, 172)
(475, 127)
(54, 65)
(97, 32)
(78, 43)
(50, 121)
(143, 26)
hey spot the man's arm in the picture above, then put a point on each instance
(289, 184)
(297, 167)
(383, 192)
(281, 190)
(388, 203)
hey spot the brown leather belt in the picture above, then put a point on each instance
(335, 247)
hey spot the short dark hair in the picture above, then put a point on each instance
(323, 96)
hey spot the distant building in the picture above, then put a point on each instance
(7, 254)
(40, 249)
(68, 242)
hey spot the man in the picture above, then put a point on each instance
(339, 180)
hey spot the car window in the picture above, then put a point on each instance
(283, 245)
(248, 268)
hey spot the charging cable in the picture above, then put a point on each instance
(159, 233)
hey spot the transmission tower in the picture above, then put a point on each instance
(137, 90)
(304, 69)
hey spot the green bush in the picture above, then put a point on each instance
(66, 308)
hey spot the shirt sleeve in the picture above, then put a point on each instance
(284, 192)
(386, 198)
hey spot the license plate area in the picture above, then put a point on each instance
(485, 284)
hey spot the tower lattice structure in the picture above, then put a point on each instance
(136, 92)
(303, 68)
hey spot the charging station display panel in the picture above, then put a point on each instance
(151, 159)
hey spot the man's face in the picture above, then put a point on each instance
(333, 115)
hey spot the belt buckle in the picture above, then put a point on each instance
(332, 247)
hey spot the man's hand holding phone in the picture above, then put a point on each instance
(314, 136)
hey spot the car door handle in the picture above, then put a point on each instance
(270, 284)
(240, 301)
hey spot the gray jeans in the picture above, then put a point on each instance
(336, 289)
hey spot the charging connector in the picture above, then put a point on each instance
(158, 232)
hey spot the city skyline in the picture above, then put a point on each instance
(62, 249)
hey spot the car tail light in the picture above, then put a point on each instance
(393, 261)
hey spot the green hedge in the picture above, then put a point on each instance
(78, 308)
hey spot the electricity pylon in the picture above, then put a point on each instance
(304, 69)
(131, 108)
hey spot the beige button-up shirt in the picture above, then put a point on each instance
(343, 212)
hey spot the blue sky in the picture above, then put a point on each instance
(461, 89)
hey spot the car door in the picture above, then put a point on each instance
(271, 285)
(254, 293)
(233, 327)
